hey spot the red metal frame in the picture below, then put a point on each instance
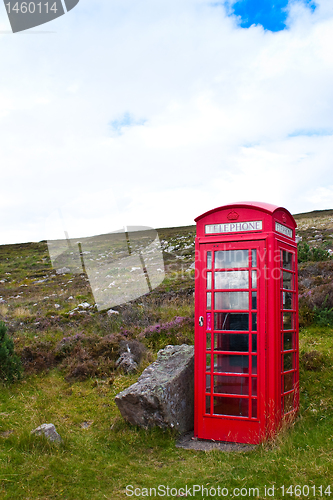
(233, 401)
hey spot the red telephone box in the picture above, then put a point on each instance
(246, 322)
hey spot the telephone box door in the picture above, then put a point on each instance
(230, 341)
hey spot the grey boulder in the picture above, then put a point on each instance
(163, 396)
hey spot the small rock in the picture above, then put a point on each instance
(136, 348)
(86, 424)
(49, 432)
(63, 270)
(5, 434)
(84, 305)
(112, 311)
(126, 362)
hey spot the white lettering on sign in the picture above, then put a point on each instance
(283, 230)
(234, 227)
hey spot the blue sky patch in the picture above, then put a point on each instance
(126, 120)
(311, 132)
(271, 14)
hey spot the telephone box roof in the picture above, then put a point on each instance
(264, 207)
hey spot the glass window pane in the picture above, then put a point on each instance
(209, 300)
(288, 381)
(287, 260)
(254, 365)
(254, 342)
(208, 361)
(254, 258)
(287, 300)
(231, 406)
(254, 279)
(209, 260)
(287, 341)
(209, 281)
(227, 259)
(288, 361)
(254, 386)
(207, 383)
(231, 342)
(231, 385)
(231, 300)
(254, 322)
(287, 321)
(254, 300)
(287, 280)
(231, 321)
(207, 404)
(208, 341)
(231, 279)
(231, 363)
(254, 408)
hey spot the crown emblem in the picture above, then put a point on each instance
(284, 217)
(232, 215)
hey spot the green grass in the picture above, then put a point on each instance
(100, 461)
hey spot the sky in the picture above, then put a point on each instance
(152, 112)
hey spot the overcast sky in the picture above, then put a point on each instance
(151, 112)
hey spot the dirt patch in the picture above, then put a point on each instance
(189, 442)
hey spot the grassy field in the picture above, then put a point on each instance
(100, 455)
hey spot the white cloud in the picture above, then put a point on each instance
(213, 109)
(322, 196)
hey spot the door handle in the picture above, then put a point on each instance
(201, 321)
